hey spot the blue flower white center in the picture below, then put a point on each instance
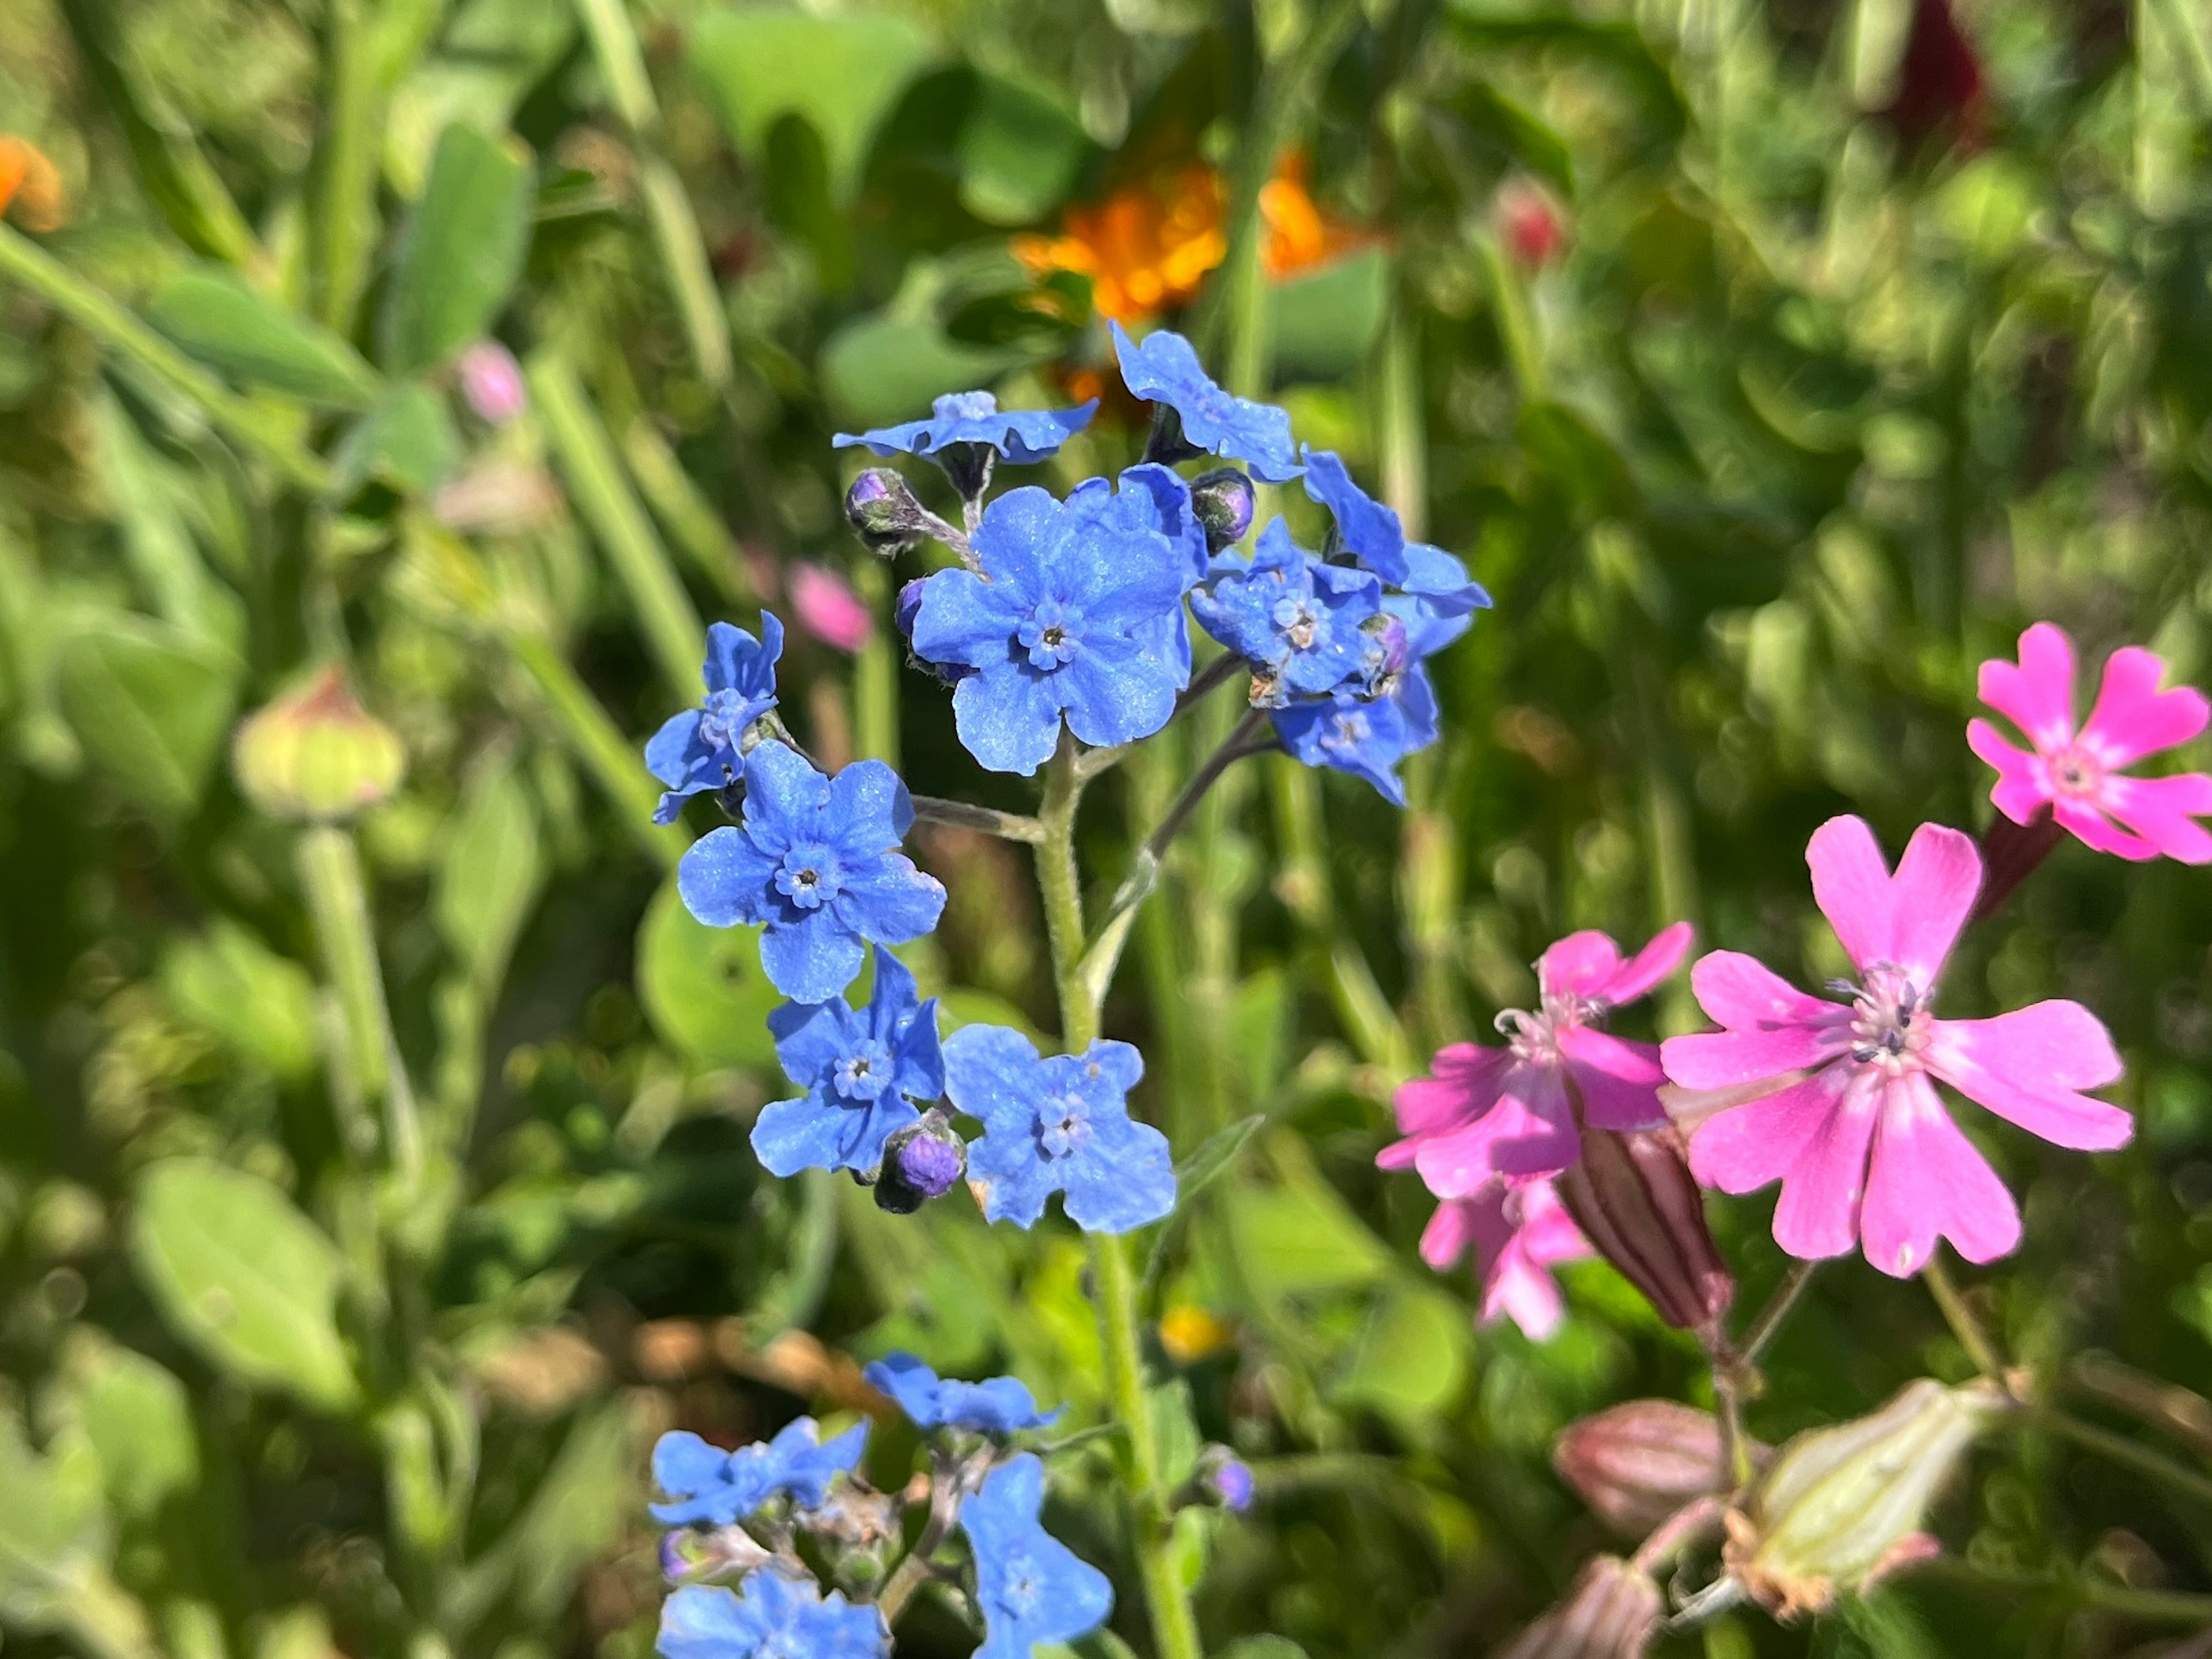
(725, 714)
(1347, 728)
(1061, 1126)
(1300, 619)
(809, 876)
(864, 1073)
(1047, 634)
(965, 406)
(1890, 1021)
(1021, 1592)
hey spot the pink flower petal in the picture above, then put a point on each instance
(2159, 809)
(1648, 966)
(2037, 695)
(1517, 1278)
(1743, 1148)
(2095, 830)
(1543, 1091)
(1743, 994)
(1460, 1161)
(1720, 1059)
(1927, 1181)
(1850, 883)
(1578, 964)
(1464, 1085)
(1813, 1139)
(2022, 786)
(1930, 900)
(1618, 1080)
(1444, 1240)
(2028, 1067)
(825, 605)
(2133, 718)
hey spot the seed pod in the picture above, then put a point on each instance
(316, 756)
(1635, 1464)
(1634, 1200)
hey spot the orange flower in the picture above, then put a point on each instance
(1147, 247)
(31, 183)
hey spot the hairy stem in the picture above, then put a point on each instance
(1175, 1628)
(1007, 826)
(1768, 1321)
(1960, 1318)
(337, 898)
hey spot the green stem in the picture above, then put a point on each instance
(671, 625)
(613, 762)
(346, 192)
(337, 899)
(1960, 1318)
(116, 328)
(875, 671)
(1175, 1628)
(2118, 1449)
(2160, 1606)
(688, 517)
(1769, 1319)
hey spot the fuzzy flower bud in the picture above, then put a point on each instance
(1612, 1612)
(885, 512)
(1635, 1464)
(1634, 1198)
(721, 1552)
(1231, 1482)
(491, 381)
(1843, 1505)
(1222, 501)
(921, 1161)
(316, 756)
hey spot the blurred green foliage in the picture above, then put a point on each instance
(1841, 369)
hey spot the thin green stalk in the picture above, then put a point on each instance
(688, 516)
(587, 454)
(1175, 1627)
(2153, 1466)
(1960, 1318)
(614, 763)
(337, 899)
(875, 671)
(345, 189)
(2159, 1605)
(248, 425)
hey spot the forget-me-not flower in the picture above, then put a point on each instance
(1057, 1124)
(815, 860)
(1366, 736)
(1163, 368)
(697, 749)
(862, 1070)
(1297, 621)
(1372, 533)
(718, 1487)
(776, 1616)
(1076, 610)
(967, 430)
(997, 1404)
(1032, 1587)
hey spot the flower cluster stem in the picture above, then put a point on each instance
(1114, 1285)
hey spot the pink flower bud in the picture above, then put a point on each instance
(1635, 1464)
(491, 380)
(1633, 1196)
(1533, 227)
(824, 605)
(1612, 1612)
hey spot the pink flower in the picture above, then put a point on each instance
(1518, 1230)
(2078, 775)
(491, 380)
(1839, 1098)
(1512, 1111)
(826, 606)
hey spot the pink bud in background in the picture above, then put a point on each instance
(825, 605)
(491, 380)
(1612, 1612)
(1636, 1463)
(1530, 222)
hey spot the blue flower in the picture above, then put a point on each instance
(1372, 534)
(975, 417)
(1057, 1124)
(1297, 621)
(814, 859)
(720, 1487)
(861, 1071)
(776, 1617)
(999, 1404)
(1365, 735)
(697, 749)
(1077, 609)
(1033, 1588)
(1163, 368)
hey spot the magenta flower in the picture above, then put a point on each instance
(1519, 1230)
(825, 605)
(2078, 775)
(1511, 1111)
(1838, 1098)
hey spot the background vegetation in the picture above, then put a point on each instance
(1772, 364)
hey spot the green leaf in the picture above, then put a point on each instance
(54, 1530)
(1019, 151)
(213, 315)
(490, 875)
(876, 370)
(702, 987)
(243, 1276)
(854, 68)
(1297, 1236)
(408, 441)
(1214, 1155)
(1326, 319)
(232, 985)
(150, 704)
(1411, 1361)
(463, 250)
(579, 1510)
(137, 1417)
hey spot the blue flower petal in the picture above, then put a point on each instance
(1032, 1588)
(1163, 368)
(889, 901)
(781, 785)
(1123, 1179)
(911, 1385)
(723, 879)
(1120, 695)
(812, 956)
(868, 808)
(810, 1038)
(1022, 436)
(1008, 717)
(967, 621)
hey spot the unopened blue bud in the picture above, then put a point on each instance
(1223, 501)
(921, 1161)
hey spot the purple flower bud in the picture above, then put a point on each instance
(1223, 501)
(1388, 648)
(675, 1560)
(908, 605)
(883, 512)
(1232, 1483)
(491, 380)
(921, 1161)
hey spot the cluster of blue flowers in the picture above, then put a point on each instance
(736, 1515)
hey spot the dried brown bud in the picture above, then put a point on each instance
(1635, 1464)
(1612, 1612)
(1635, 1202)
